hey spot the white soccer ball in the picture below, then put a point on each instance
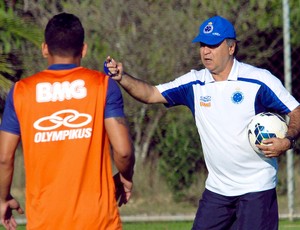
(264, 126)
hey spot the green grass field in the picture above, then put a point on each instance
(182, 225)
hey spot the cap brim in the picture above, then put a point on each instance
(209, 40)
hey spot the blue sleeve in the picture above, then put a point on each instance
(276, 99)
(10, 122)
(180, 95)
(114, 101)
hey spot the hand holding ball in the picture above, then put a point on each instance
(264, 126)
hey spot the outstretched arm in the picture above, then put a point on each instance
(123, 155)
(8, 145)
(140, 90)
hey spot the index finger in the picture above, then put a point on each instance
(108, 59)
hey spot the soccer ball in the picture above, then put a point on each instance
(264, 126)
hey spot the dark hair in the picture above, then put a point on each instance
(64, 35)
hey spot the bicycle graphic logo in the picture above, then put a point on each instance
(67, 118)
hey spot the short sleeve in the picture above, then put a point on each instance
(114, 101)
(10, 122)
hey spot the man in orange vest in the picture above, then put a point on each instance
(70, 120)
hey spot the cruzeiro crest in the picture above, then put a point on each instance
(208, 28)
(237, 97)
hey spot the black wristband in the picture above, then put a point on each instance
(292, 141)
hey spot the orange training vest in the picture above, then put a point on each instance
(69, 182)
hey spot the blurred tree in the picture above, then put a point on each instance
(15, 32)
(181, 159)
(153, 40)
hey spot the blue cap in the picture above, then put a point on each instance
(214, 30)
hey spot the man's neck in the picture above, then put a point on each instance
(224, 74)
(63, 60)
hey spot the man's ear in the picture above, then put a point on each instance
(84, 50)
(232, 48)
(45, 51)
